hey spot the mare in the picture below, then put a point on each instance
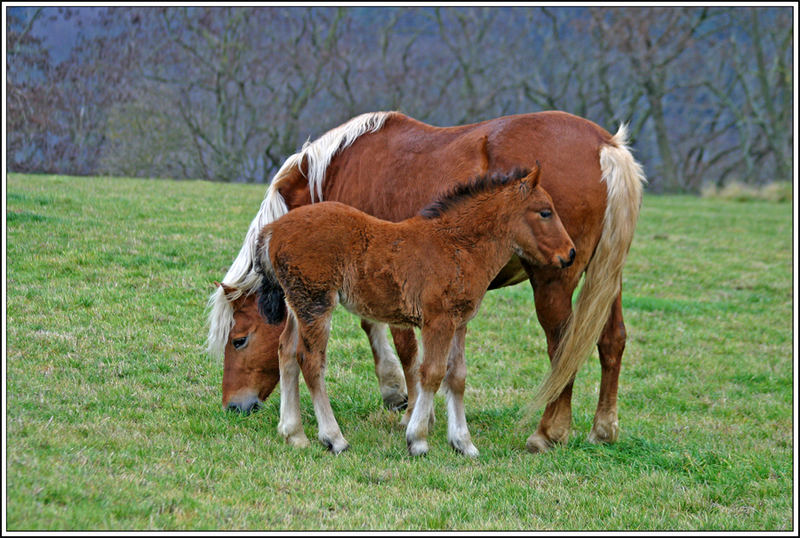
(430, 271)
(390, 166)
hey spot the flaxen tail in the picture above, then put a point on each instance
(624, 179)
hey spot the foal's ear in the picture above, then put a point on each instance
(532, 179)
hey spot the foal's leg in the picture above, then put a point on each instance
(553, 300)
(454, 381)
(387, 367)
(311, 356)
(290, 426)
(610, 347)
(405, 342)
(436, 339)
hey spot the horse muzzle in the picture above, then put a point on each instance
(566, 263)
(245, 404)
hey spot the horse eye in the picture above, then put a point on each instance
(546, 213)
(239, 343)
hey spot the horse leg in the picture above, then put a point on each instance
(312, 344)
(290, 426)
(553, 301)
(406, 344)
(387, 367)
(436, 339)
(605, 428)
(454, 381)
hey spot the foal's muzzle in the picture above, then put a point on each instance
(567, 263)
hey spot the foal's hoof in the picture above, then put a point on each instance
(417, 448)
(467, 449)
(604, 432)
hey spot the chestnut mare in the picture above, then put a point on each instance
(430, 271)
(390, 166)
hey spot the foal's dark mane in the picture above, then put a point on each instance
(480, 184)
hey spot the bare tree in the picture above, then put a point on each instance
(653, 43)
(28, 69)
(238, 82)
(228, 93)
(754, 92)
(58, 110)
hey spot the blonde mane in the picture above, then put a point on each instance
(242, 275)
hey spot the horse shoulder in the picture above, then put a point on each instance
(413, 161)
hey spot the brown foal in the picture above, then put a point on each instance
(430, 271)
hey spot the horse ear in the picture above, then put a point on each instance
(532, 178)
(229, 291)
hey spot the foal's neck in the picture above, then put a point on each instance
(480, 227)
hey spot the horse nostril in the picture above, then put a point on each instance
(252, 407)
(245, 408)
(567, 263)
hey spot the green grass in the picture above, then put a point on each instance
(114, 418)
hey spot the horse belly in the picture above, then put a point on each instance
(380, 297)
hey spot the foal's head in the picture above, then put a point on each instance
(537, 232)
(251, 355)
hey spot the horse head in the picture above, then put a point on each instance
(250, 370)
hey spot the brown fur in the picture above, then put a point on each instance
(395, 171)
(430, 271)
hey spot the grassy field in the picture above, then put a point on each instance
(114, 416)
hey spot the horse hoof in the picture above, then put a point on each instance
(467, 449)
(293, 435)
(339, 448)
(298, 440)
(418, 448)
(604, 432)
(537, 444)
(336, 447)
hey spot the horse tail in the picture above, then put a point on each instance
(243, 274)
(602, 284)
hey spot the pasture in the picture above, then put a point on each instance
(114, 418)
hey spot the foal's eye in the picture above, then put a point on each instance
(546, 213)
(239, 343)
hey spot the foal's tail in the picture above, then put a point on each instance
(624, 179)
(271, 303)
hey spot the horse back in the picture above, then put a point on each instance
(396, 171)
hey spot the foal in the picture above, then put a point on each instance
(430, 271)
